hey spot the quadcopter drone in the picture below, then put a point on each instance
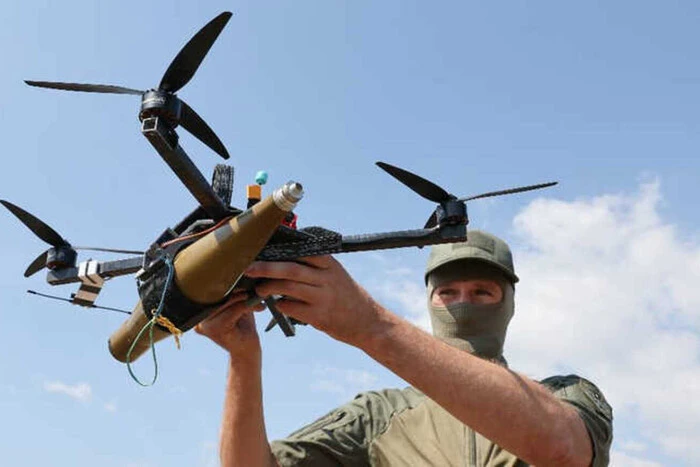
(162, 110)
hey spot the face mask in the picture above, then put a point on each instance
(478, 329)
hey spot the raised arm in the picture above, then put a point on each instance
(513, 411)
(243, 437)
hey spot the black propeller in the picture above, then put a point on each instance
(50, 236)
(36, 225)
(178, 74)
(423, 187)
(186, 63)
(432, 192)
(101, 88)
(38, 264)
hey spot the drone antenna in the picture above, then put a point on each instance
(70, 301)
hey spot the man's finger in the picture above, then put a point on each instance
(295, 309)
(235, 306)
(284, 270)
(289, 289)
(318, 262)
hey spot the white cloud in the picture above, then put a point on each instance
(326, 385)
(345, 383)
(81, 392)
(609, 290)
(625, 460)
(406, 294)
(633, 446)
(111, 407)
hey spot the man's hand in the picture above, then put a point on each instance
(318, 291)
(232, 326)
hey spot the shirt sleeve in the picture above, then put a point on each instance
(594, 410)
(341, 437)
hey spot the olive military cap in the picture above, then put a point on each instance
(480, 246)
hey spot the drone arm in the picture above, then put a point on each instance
(105, 270)
(403, 238)
(327, 242)
(164, 139)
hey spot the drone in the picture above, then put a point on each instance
(190, 268)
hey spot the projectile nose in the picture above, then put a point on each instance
(287, 197)
(295, 190)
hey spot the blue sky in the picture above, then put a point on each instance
(474, 96)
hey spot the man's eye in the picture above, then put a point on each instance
(484, 292)
(446, 292)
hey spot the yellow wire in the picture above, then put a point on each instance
(166, 323)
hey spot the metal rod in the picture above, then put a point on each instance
(105, 269)
(72, 303)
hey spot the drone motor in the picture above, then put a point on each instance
(61, 257)
(452, 212)
(155, 103)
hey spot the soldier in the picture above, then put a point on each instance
(465, 406)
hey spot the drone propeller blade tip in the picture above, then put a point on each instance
(33, 223)
(192, 122)
(418, 184)
(84, 87)
(187, 61)
(37, 265)
(510, 191)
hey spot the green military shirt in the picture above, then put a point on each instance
(397, 427)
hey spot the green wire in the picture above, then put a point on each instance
(149, 326)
